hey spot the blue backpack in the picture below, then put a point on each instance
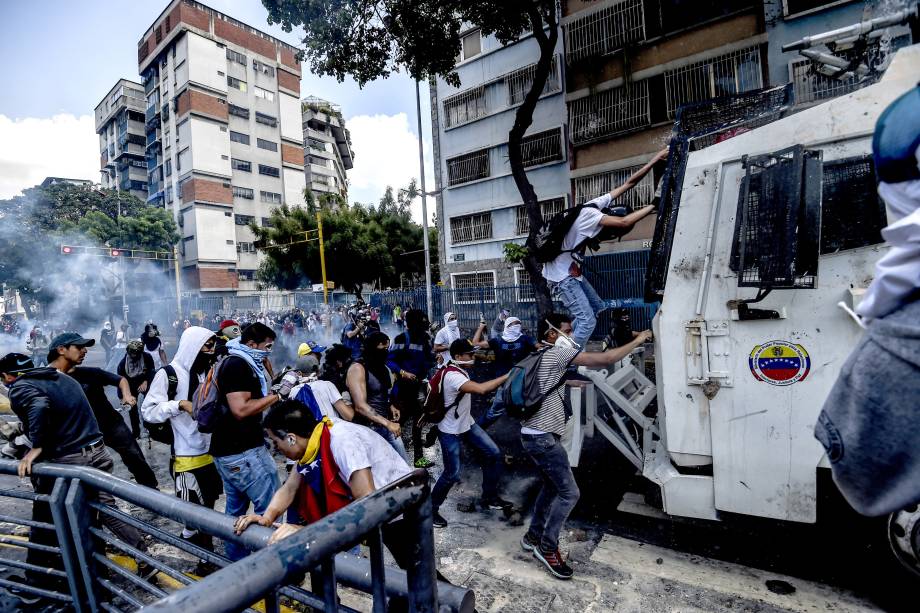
(521, 393)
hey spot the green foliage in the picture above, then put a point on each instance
(514, 253)
(363, 244)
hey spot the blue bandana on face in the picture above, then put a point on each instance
(253, 357)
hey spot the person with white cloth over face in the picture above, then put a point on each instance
(869, 422)
(509, 348)
(445, 336)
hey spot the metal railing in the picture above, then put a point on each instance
(610, 112)
(548, 208)
(592, 186)
(520, 81)
(808, 85)
(95, 582)
(605, 30)
(468, 167)
(728, 74)
(465, 106)
(542, 147)
(468, 228)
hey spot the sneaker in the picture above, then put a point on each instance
(495, 503)
(423, 463)
(528, 543)
(438, 521)
(554, 563)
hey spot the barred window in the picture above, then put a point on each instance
(270, 197)
(244, 220)
(465, 106)
(523, 289)
(732, 73)
(236, 83)
(239, 58)
(242, 192)
(238, 111)
(268, 120)
(241, 165)
(592, 186)
(542, 147)
(468, 167)
(548, 208)
(474, 287)
(520, 81)
(811, 86)
(266, 144)
(270, 171)
(610, 112)
(468, 228)
(605, 31)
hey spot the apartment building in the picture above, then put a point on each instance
(224, 144)
(327, 147)
(479, 207)
(122, 138)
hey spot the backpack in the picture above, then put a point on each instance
(521, 393)
(162, 432)
(547, 245)
(433, 411)
(208, 404)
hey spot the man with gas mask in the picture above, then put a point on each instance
(153, 345)
(138, 369)
(193, 467)
(541, 434)
(411, 358)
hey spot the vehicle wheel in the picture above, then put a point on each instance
(904, 537)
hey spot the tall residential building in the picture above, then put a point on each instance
(223, 136)
(479, 207)
(327, 147)
(122, 138)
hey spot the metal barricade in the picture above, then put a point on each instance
(95, 582)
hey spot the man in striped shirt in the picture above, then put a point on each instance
(542, 432)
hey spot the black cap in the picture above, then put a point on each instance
(15, 362)
(70, 338)
(461, 346)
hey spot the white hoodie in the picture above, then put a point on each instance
(157, 408)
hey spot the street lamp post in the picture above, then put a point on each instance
(421, 163)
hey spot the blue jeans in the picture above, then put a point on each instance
(450, 450)
(558, 493)
(494, 412)
(584, 305)
(394, 441)
(251, 476)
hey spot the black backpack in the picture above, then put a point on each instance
(163, 432)
(547, 245)
(521, 393)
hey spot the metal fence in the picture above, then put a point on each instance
(94, 582)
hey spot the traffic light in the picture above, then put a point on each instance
(116, 253)
(72, 249)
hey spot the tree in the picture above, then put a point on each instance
(370, 39)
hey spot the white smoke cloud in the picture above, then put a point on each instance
(37, 147)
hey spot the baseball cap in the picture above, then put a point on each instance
(308, 348)
(15, 362)
(70, 338)
(461, 346)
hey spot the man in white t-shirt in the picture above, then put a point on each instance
(445, 336)
(564, 275)
(459, 426)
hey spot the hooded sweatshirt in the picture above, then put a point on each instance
(157, 407)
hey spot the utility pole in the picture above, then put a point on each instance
(322, 256)
(178, 285)
(421, 163)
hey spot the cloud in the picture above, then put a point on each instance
(386, 153)
(37, 147)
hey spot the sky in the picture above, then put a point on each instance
(63, 56)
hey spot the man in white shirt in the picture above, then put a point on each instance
(458, 425)
(564, 275)
(445, 336)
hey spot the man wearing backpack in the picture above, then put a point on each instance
(458, 425)
(563, 272)
(248, 472)
(510, 347)
(411, 358)
(169, 401)
(542, 431)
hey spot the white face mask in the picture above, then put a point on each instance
(453, 324)
(462, 362)
(562, 339)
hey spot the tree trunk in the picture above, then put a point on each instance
(522, 120)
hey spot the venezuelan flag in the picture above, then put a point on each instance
(779, 363)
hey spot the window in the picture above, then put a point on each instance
(811, 86)
(605, 31)
(465, 106)
(548, 208)
(239, 137)
(246, 275)
(592, 186)
(609, 112)
(520, 81)
(237, 84)
(240, 165)
(523, 289)
(263, 68)
(468, 167)
(242, 247)
(852, 213)
(266, 144)
(239, 58)
(267, 222)
(242, 192)
(473, 287)
(243, 220)
(270, 197)
(263, 93)
(470, 46)
(238, 111)
(168, 168)
(542, 147)
(732, 73)
(268, 120)
(271, 171)
(468, 228)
